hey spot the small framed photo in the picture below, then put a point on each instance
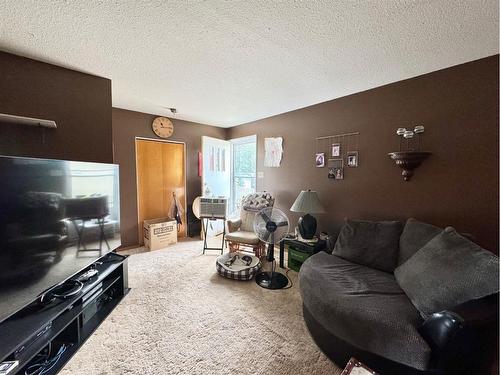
(320, 160)
(352, 159)
(339, 173)
(335, 149)
(336, 173)
(336, 169)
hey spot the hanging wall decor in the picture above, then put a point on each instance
(343, 151)
(336, 169)
(409, 157)
(335, 150)
(273, 151)
(320, 160)
(352, 159)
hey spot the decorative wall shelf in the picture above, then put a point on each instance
(409, 161)
(22, 120)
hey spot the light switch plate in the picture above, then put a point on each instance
(260, 174)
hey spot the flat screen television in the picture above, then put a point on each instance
(56, 218)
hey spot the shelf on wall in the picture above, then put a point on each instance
(408, 161)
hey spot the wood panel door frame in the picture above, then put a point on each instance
(137, 179)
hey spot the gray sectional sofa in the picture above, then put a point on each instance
(412, 299)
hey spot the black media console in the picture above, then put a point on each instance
(40, 331)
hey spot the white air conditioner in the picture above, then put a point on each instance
(213, 208)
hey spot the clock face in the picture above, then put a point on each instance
(163, 127)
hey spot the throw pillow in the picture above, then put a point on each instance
(372, 244)
(447, 271)
(415, 235)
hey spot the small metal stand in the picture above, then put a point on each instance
(204, 224)
(80, 246)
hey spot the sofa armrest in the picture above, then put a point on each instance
(445, 328)
(440, 329)
(464, 337)
(233, 225)
(479, 312)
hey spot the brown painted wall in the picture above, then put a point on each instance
(457, 185)
(79, 103)
(126, 126)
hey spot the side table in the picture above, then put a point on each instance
(307, 247)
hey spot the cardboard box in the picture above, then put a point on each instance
(159, 233)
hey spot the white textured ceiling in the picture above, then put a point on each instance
(229, 62)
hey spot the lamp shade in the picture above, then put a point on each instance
(307, 202)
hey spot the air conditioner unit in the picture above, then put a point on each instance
(213, 208)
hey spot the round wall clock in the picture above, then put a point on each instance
(162, 127)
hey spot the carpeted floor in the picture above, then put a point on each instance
(182, 318)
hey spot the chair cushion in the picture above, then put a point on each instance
(415, 235)
(364, 307)
(243, 237)
(373, 244)
(447, 271)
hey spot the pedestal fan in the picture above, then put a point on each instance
(271, 226)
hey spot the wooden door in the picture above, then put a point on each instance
(160, 174)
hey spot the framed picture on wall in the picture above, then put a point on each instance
(320, 160)
(352, 159)
(335, 149)
(336, 173)
(336, 169)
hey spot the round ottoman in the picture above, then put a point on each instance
(238, 266)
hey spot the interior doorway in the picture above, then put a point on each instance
(161, 174)
(216, 175)
(230, 171)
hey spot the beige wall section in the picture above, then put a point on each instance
(127, 125)
(160, 173)
(457, 185)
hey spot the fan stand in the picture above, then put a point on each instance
(271, 280)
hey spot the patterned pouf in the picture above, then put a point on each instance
(238, 266)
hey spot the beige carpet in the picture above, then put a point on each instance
(182, 318)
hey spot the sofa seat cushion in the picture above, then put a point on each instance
(364, 307)
(242, 236)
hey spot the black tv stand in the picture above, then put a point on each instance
(64, 323)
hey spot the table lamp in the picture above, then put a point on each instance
(308, 203)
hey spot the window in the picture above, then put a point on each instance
(244, 170)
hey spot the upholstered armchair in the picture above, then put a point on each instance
(240, 235)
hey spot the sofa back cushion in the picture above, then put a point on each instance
(415, 235)
(447, 271)
(372, 244)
